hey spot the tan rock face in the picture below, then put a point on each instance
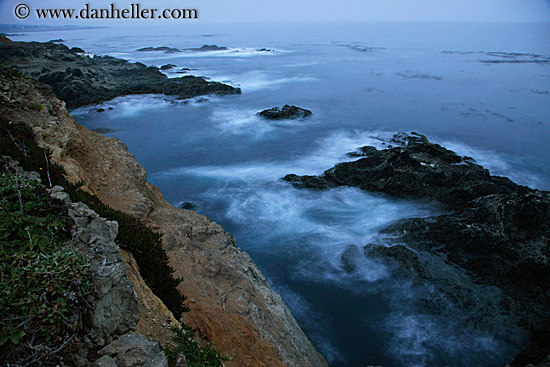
(156, 320)
(234, 306)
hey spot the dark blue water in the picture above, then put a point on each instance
(363, 82)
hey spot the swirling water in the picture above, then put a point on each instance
(363, 82)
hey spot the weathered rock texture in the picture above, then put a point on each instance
(114, 308)
(156, 320)
(489, 252)
(80, 80)
(285, 112)
(234, 306)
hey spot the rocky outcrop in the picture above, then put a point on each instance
(171, 50)
(233, 304)
(156, 320)
(79, 80)
(207, 48)
(165, 49)
(490, 250)
(167, 67)
(285, 112)
(114, 309)
(131, 350)
(114, 304)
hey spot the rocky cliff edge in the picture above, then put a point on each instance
(233, 304)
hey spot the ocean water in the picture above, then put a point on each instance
(482, 90)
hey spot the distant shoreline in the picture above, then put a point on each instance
(5, 28)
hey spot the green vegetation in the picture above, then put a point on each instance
(146, 247)
(17, 141)
(43, 282)
(195, 355)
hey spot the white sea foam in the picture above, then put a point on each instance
(314, 228)
(258, 80)
(302, 64)
(330, 150)
(130, 105)
(241, 121)
(417, 338)
(320, 223)
(231, 52)
(497, 164)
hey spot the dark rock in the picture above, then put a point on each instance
(363, 152)
(363, 48)
(207, 48)
(285, 112)
(187, 205)
(103, 130)
(161, 48)
(184, 70)
(167, 67)
(310, 182)
(59, 40)
(84, 80)
(3, 38)
(496, 231)
(77, 50)
(100, 110)
(348, 259)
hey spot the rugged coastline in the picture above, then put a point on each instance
(80, 79)
(487, 253)
(232, 304)
(481, 210)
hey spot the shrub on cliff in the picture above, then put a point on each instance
(195, 355)
(43, 282)
(17, 141)
(146, 247)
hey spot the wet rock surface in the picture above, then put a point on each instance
(285, 112)
(81, 80)
(489, 251)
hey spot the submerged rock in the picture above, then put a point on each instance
(285, 112)
(348, 259)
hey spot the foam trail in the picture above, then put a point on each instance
(329, 151)
(241, 121)
(259, 80)
(128, 106)
(231, 52)
(497, 164)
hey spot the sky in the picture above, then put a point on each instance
(303, 10)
